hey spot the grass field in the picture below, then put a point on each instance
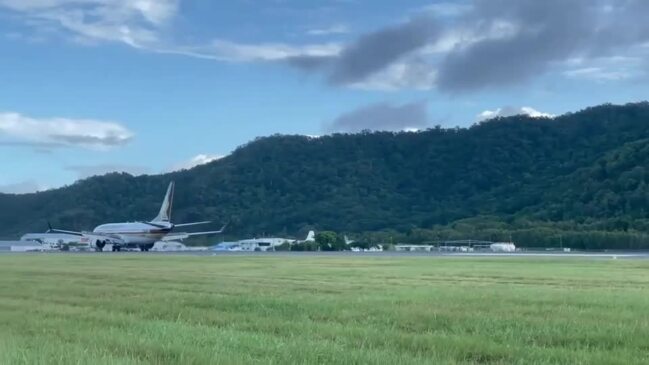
(158, 309)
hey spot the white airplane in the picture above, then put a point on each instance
(139, 234)
(265, 243)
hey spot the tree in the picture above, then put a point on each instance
(326, 241)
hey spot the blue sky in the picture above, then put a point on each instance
(149, 86)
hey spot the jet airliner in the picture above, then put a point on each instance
(139, 234)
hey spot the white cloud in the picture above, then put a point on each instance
(335, 29)
(508, 111)
(230, 51)
(400, 76)
(227, 51)
(155, 11)
(197, 160)
(23, 187)
(597, 74)
(134, 22)
(137, 23)
(463, 37)
(61, 132)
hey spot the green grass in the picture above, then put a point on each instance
(131, 309)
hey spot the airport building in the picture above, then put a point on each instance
(460, 246)
(20, 246)
(250, 245)
(413, 248)
(51, 238)
(227, 246)
(377, 248)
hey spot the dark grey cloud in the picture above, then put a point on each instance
(493, 43)
(619, 25)
(541, 35)
(311, 63)
(543, 32)
(375, 51)
(372, 52)
(382, 116)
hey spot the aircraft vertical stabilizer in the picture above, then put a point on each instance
(165, 208)
(310, 237)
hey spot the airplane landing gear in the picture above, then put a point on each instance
(116, 248)
(99, 246)
(146, 248)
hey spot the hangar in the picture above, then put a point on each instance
(20, 246)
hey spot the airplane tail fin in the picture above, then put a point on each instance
(165, 208)
(310, 237)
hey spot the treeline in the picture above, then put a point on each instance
(581, 180)
(526, 234)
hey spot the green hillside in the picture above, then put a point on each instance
(578, 180)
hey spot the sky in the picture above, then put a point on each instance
(150, 86)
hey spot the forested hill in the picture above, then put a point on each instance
(581, 172)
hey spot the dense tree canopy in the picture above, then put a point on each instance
(574, 179)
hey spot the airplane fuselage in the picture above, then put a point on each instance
(133, 233)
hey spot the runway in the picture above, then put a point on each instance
(433, 254)
(591, 255)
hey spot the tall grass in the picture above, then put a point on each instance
(131, 309)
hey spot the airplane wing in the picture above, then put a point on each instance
(175, 236)
(52, 230)
(73, 233)
(191, 224)
(88, 235)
